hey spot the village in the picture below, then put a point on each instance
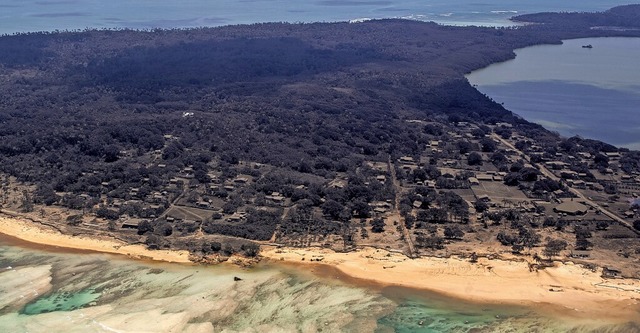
(475, 190)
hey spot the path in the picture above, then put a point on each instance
(398, 190)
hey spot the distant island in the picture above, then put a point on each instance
(329, 139)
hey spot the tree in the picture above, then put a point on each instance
(582, 232)
(250, 249)
(517, 248)
(488, 145)
(582, 243)
(474, 159)
(154, 242)
(332, 209)
(528, 174)
(164, 229)
(144, 226)
(111, 225)
(431, 242)
(636, 224)
(409, 221)
(601, 160)
(377, 225)
(27, 204)
(511, 179)
(215, 246)
(554, 246)
(549, 222)
(480, 206)
(602, 225)
(74, 220)
(361, 209)
(453, 232)
(106, 213)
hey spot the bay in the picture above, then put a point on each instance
(590, 92)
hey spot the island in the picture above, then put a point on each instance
(356, 145)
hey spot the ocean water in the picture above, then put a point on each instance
(594, 93)
(55, 291)
(49, 15)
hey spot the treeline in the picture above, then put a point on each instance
(627, 16)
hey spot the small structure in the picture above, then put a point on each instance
(406, 160)
(203, 204)
(131, 224)
(571, 208)
(473, 181)
(484, 177)
(241, 180)
(275, 198)
(609, 272)
(484, 198)
(580, 254)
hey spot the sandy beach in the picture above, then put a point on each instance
(31, 232)
(567, 289)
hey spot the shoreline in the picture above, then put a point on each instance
(38, 234)
(568, 289)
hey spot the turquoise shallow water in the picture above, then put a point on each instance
(64, 301)
(51, 292)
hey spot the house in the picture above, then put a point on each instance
(484, 177)
(406, 160)
(571, 208)
(484, 198)
(613, 155)
(580, 254)
(131, 224)
(236, 217)
(556, 165)
(203, 204)
(275, 198)
(241, 180)
(609, 272)
(474, 181)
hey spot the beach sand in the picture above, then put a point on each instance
(39, 234)
(567, 289)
